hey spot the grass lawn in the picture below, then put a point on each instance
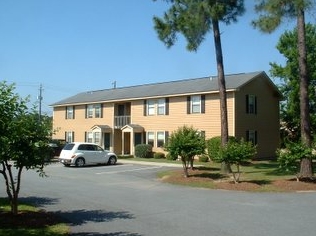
(260, 176)
(29, 221)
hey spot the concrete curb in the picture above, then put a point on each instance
(128, 161)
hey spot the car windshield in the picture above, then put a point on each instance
(69, 146)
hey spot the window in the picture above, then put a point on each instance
(196, 104)
(97, 110)
(251, 104)
(70, 112)
(252, 136)
(150, 138)
(156, 107)
(69, 136)
(97, 138)
(161, 105)
(89, 137)
(93, 137)
(151, 107)
(94, 111)
(161, 138)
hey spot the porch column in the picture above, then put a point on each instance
(123, 143)
(132, 143)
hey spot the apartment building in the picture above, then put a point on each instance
(120, 118)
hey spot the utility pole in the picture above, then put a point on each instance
(40, 98)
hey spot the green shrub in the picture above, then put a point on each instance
(159, 155)
(204, 158)
(143, 151)
(171, 157)
(289, 157)
(125, 156)
(213, 145)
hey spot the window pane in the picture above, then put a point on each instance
(151, 107)
(160, 139)
(70, 112)
(161, 106)
(89, 137)
(90, 111)
(150, 138)
(69, 137)
(252, 104)
(196, 104)
(97, 110)
(97, 137)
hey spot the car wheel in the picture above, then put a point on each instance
(80, 162)
(112, 160)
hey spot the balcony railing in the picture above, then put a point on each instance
(120, 121)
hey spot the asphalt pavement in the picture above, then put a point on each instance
(128, 200)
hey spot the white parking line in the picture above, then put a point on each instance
(122, 171)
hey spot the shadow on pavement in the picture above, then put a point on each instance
(109, 234)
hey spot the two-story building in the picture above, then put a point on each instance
(120, 118)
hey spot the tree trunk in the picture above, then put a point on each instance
(306, 165)
(222, 90)
(185, 167)
(306, 168)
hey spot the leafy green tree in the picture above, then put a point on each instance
(290, 156)
(290, 107)
(194, 19)
(23, 141)
(186, 142)
(273, 11)
(235, 153)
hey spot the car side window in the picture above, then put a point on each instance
(90, 147)
(98, 148)
(83, 147)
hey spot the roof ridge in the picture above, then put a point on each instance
(166, 82)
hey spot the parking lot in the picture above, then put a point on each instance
(127, 199)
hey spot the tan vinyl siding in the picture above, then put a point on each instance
(80, 124)
(265, 122)
(208, 122)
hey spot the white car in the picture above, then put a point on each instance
(80, 154)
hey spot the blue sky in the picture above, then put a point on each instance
(70, 46)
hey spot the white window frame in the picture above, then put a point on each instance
(151, 107)
(69, 112)
(69, 136)
(97, 110)
(161, 137)
(90, 111)
(89, 137)
(94, 111)
(97, 137)
(151, 138)
(161, 106)
(196, 102)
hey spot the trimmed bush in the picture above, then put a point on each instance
(143, 151)
(171, 157)
(125, 156)
(159, 155)
(204, 158)
(213, 145)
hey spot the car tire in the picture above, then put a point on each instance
(80, 162)
(112, 160)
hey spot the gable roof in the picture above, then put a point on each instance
(172, 88)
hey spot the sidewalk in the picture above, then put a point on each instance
(131, 161)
